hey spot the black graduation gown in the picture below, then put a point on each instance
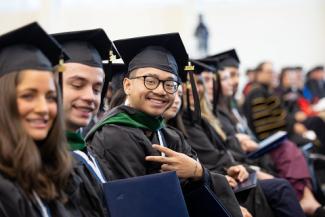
(86, 190)
(14, 202)
(232, 143)
(121, 151)
(85, 193)
(213, 155)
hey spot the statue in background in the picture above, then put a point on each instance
(202, 35)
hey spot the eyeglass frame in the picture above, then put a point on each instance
(159, 81)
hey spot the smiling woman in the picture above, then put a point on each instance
(34, 161)
(37, 102)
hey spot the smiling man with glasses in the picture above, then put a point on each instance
(151, 82)
(132, 140)
(151, 90)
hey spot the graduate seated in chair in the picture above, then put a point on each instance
(290, 91)
(205, 138)
(131, 140)
(266, 115)
(83, 83)
(35, 165)
(284, 159)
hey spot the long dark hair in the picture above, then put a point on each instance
(178, 123)
(42, 168)
(223, 102)
(118, 98)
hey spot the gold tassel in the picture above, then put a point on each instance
(111, 57)
(60, 67)
(189, 67)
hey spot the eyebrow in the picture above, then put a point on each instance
(76, 77)
(34, 90)
(156, 76)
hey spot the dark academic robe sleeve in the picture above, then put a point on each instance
(13, 202)
(210, 156)
(83, 198)
(93, 189)
(204, 136)
(121, 152)
(233, 144)
(217, 182)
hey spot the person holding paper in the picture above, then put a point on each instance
(126, 139)
(204, 138)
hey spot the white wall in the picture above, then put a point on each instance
(284, 31)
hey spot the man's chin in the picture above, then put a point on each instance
(79, 123)
(155, 112)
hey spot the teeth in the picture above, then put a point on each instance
(157, 101)
(85, 109)
(37, 121)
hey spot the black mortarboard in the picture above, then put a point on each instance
(88, 47)
(225, 59)
(201, 67)
(29, 47)
(116, 74)
(219, 61)
(165, 52)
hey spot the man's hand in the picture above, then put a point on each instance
(299, 128)
(232, 182)
(249, 145)
(246, 143)
(262, 175)
(238, 172)
(185, 166)
(242, 136)
(245, 212)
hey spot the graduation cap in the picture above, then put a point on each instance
(228, 58)
(212, 66)
(200, 67)
(29, 47)
(165, 52)
(89, 47)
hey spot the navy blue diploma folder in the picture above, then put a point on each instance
(268, 144)
(157, 195)
(202, 202)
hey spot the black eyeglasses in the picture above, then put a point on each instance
(151, 83)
